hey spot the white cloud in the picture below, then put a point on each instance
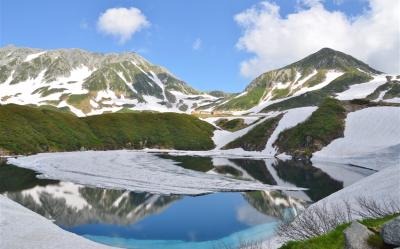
(197, 44)
(275, 41)
(122, 23)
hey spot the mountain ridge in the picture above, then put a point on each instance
(92, 83)
(310, 73)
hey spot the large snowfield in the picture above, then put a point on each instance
(371, 139)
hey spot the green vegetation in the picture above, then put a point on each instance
(391, 89)
(246, 101)
(256, 138)
(323, 126)
(316, 97)
(45, 91)
(393, 92)
(152, 130)
(344, 81)
(231, 125)
(335, 239)
(316, 79)
(332, 240)
(307, 99)
(280, 93)
(25, 130)
(80, 101)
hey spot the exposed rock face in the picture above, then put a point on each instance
(391, 232)
(356, 236)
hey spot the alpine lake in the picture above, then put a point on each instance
(146, 221)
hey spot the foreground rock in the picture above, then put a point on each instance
(356, 236)
(20, 228)
(391, 232)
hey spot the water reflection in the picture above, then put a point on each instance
(142, 220)
(321, 181)
(116, 213)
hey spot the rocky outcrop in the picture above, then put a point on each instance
(356, 236)
(391, 232)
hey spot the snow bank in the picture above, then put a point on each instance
(223, 137)
(330, 76)
(359, 91)
(371, 139)
(290, 119)
(381, 186)
(24, 229)
(134, 171)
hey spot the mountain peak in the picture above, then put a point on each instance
(327, 58)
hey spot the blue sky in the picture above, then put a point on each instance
(175, 25)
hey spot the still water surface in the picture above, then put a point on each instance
(143, 220)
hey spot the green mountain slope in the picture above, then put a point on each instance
(25, 130)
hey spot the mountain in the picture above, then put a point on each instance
(314, 72)
(92, 83)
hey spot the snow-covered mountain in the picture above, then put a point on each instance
(92, 83)
(324, 73)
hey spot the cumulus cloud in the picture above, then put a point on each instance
(122, 23)
(197, 44)
(275, 41)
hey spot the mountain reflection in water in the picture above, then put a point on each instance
(103, 213)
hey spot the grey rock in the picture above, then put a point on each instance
(391, 232)
(356, 236)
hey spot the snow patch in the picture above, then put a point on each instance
(33, 56)
(369, 133)
(290, 119)
(359, 91)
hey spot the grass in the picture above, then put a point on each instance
(244, 102)
(25, 130)
(344, 81)
(332, 240)
(256, 138)
(318, 78)
(316, 97)
(231, 125)
(393, 92)
(335, 239)
(80, 101)
(280, 93)
(324, 125)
